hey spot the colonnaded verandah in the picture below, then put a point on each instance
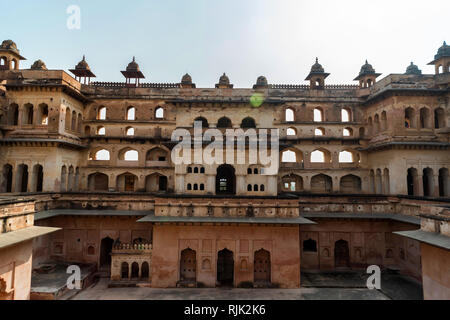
(87, 177)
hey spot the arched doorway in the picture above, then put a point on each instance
(105, 251)
(225, 267)
(225, 180)
(188, 265)
(341, 254)
(124, 270)
(145, 270)
(261, 266)
(134, 270)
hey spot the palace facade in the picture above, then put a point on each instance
(359, 166)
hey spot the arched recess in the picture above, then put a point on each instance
(37, 179)
(159, 113)
(386, 181)
(202, 121)
(346, 115)
(289, 115)
(350, 184)
(28, 114)
(7, 178)
(225, 179)
(341, 254)
(292, 182)
(13, 114)
(383, 121)
(318, 114)
(101, 113)
(63, 180)
(428, 182)
(99, 154)
(439, 118)
(291, 155)
(188, 265)
(248, 122)
(131, 113)
(224, 122)
(156, 182)
(157, 154)
(321, 183)
(106, 245)
(98, 182)
(444, 183)
(320, 155)
(42, 116)
(425, 118)
(348, 156)
(126, 182)
(412, 181)
(262, 266)
(410, 118)
(124, 271)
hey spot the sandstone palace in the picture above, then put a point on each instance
(87, 177)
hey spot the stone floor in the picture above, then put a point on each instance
(317, 286)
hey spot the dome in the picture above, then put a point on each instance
(9, 45)
(443, 51)
(187, 79)
(317, 67)
(224, 80)
(366, 69)
(38, 65)
(82, 64)
(413, 69)
(261, 81)
(133, 66)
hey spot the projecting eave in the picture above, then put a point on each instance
(377, 216)
(90, 213)
(221, 220)
(435, 239)
(15, 237)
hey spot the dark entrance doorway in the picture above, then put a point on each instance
(188, 265)
(341, 254)
(225, 267)
(105, 251)
(262, 266)
(225, 180)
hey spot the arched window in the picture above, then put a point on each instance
(345, 115)
(224, 122)
(202, 186)
(288, 156)
(289, 115)
(101, 131)
(159, 113)
(345, 157)
(319, 132)
(101, 114)
(131, 113)
(410, 120)
(249, 170)
(43, 114)
(425, 118)
(255, 187)
(318, 115)
(189, 169)
(318, 156)
(383, 121)
(131, 155)
(439, 119)
(248, 123)
(347, 132)
(195, 169)
(101, 155)
(73, 126)
(249, 187)
(291, 132)
(202, 170)
(261, 188)
(255, 171)
(130, 131)
(28, 114)
(195, 186)
(203, 121)
(189, 186)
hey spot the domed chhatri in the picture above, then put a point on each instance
(186, 81)
(317, 76)
(133, 66)
(413, 69)
(39, 65)
(261, 82)
(9, 45)
(82, 70)
(132, 72)
(441, 59)
(366, 69)
(82, 65)
(224, 82)
(367, 75)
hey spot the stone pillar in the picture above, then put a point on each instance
(112, 182)
(307, 183)
(211, 183)
(307, 160)
(336, 184)
(240, 185)
(419, 183)
(435, 192)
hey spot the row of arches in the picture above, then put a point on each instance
(8, 63)
(423, 118)
(321, 155)
(378, 124)
(130, 114)
(195, 186)
(73, 121)
(427, 182)
(318, 115)
(224, 122)
(320, 131)
(225, 266)
(255, 187)
(321, 183)
(28, 114)
(135, 272)
(127, 182)
(191, 169)
(70, 178)
(379, 181)
(129, 154)
(20, 179)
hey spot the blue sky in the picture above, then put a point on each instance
(244, 38)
